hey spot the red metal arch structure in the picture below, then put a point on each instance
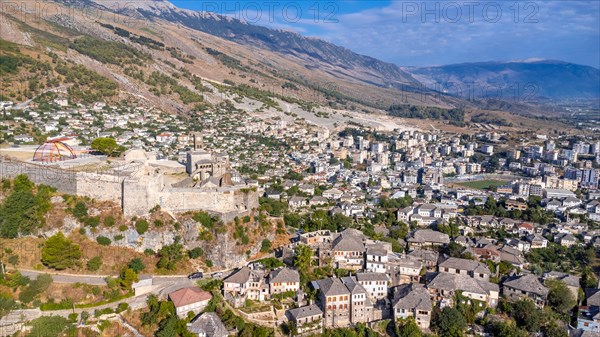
(53, 151)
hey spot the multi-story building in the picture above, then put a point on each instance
(412, 300)
(525, 286)
(471, 268)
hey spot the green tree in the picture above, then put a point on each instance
(136, 265)
(195, 253)
(407, 327)
(107, 146)
(560, 297)
(169, 255)
(527, 315)
(303, 260)
(127, 277)
(60, 253)
(450, 323)
(265, 245)
(94, 263)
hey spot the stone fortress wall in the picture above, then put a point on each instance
(136, 192)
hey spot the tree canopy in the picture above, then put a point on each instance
(60, 253)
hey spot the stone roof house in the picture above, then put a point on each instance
(427, 237)
(412, 300)
(282, 280)
(307, 319)
(471, 268)
(208, 325)
(444, 285)
(528, 285)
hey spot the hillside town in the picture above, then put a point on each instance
(395, 226)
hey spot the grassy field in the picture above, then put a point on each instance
(482, 184)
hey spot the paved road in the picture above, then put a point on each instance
(97, 280)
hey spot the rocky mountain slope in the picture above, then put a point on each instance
(519, 80)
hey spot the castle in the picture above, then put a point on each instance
(140, 183)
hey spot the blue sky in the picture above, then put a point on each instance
(420, 33)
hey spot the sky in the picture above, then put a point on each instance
(429, 33)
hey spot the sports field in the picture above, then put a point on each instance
(482, 184)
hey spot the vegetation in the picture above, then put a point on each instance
(60, 253)
(426, 112)
(108, 51)
(22, 211)
(107, 146)
(169, 255)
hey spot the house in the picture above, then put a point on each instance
(296, 202)
(537, 241)
(444, 286)
(307, 188)
(334, 299)
(399, 268)
(566, 240)
(307, 320)
(376, 284)
(474, 269)
(404, 214)
(361, 306)
(189, 299)
(245, 284)
(318, 200)
(588, 319)
(208, 325)
(515, 205)
(412, 300)
(348, 249)
(524, 229)
(332, 193)
(283, 280)
(427, 238)
(273, 194)
(527, 285)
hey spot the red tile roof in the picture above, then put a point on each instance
(189, 295)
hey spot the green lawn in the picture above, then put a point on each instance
(482, 184)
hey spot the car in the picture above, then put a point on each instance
(195, 276)
(217, 275)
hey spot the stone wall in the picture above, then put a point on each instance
(137, 194)
(64, 181)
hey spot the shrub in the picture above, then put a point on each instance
(195, 253)
(94, 264)
(103, 240)
(80, 210)
(109, 221)
(265, 245)
(136, 265)
(141, 226)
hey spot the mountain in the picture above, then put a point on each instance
(518, 80)
(313, 52)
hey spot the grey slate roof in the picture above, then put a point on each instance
(428, 235)
(243, 275)
(303, 312)
(284, 275)
(452, 282)
(465, 264)
(412, 296)
(529, 283)
(368, 276)
(210, 324)
(332, 287)
(348, 243)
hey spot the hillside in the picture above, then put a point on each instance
(514, 81)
